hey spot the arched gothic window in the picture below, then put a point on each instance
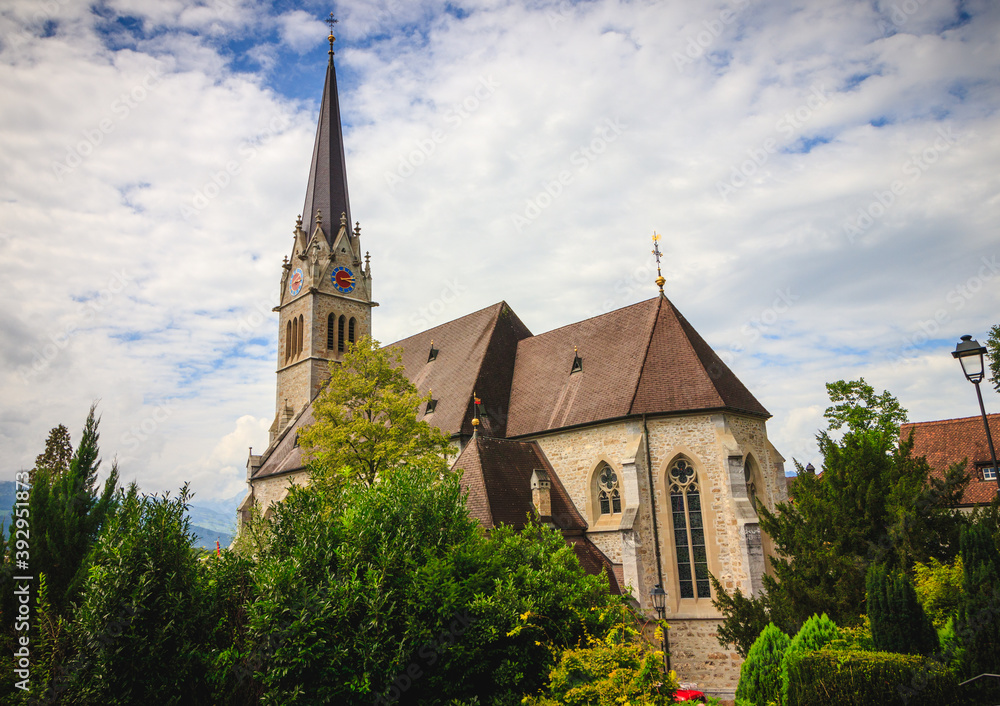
(608, 491)
(295, 337)
(288, 341)
(331, 321)
(689, 530)
(351, 326)
(301, 332)
(340, 333)
(751, 482)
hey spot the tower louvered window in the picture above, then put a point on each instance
(689, 531)
(608, 493)
(340, 333)
(351, 326)
(301, 332)
(288, 341)
(331, 322)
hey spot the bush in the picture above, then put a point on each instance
(760, 675)
(899, 623)
(862, 678)
(816, 633)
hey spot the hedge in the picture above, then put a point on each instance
(860, 678)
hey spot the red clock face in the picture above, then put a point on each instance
(343, 279)
(295, 286)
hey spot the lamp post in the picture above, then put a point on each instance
(659, 597)
(970, 355)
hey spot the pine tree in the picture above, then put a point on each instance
(67, 513)
(57, 455)
(760, 675)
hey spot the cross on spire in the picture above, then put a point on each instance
(330, 21)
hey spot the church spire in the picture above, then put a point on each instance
(327, 189)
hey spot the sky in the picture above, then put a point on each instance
(824, 175)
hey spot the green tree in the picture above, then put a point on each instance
(66, 513)
(939, 589)
(993, 355)
(899, 623)
(141, 630)
(760, 675)
(977, 627)
(57, 455)
(366, 419)
(815, 634)
(745, 617)
(874, 503)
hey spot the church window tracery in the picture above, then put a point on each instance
(608, 492)
(689, 530)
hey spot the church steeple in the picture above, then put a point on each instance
(327, 188)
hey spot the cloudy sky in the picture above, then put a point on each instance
(824, 174)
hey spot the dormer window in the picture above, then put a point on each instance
(577, 363)
(433, 353)
(431, 405)
(986, 471)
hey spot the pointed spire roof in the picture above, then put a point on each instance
(327, 189)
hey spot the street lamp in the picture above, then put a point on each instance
(970, 355)
(659, 597)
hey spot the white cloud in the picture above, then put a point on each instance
(300, 30)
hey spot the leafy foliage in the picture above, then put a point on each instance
(993, 356)
(874, 503)
(939, 589)
(815, 634)
(366, 419)
(760, 675)
(827, 677)
(898, 621)
(140, 627)
(745, 617)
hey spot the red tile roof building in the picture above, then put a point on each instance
(950, 441)
(625, 431)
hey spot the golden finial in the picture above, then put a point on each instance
(331, 38)
(660, 281)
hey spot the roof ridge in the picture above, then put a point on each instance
(593, 318)
(989, 415)
(446, 323)
(645, 356)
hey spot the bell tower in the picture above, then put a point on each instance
(326, 288)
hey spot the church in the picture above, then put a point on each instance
(625, 431)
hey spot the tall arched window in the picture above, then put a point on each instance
(340, 333)
(689, 530)
(351, 326)
(331, 321)
(608, 491)
(751, 482)
(295, 336)
(288, 341)
(302, 328)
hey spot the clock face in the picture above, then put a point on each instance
(343, 279)
(295, 285)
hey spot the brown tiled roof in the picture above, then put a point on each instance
(475, 354)
(642, 359)
(497, 476)
(948, 441)
(594, 561)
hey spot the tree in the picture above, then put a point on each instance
(978, 625)
(66, 513)
(760, 675)
(874, 503)
(899, 623)
(141, 629)
(993, 354)
(745, 617)
(366, 419)
(939, 589)
(57, 455)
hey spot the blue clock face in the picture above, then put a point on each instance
(343, 279)
(295, 284)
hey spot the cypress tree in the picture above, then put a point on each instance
(899, 623)
(978, 626)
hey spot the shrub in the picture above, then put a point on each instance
(899, 623)
(816, 633)
(760, 675)
(939, 589)
(859, 678)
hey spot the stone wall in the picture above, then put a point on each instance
(699, 660)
